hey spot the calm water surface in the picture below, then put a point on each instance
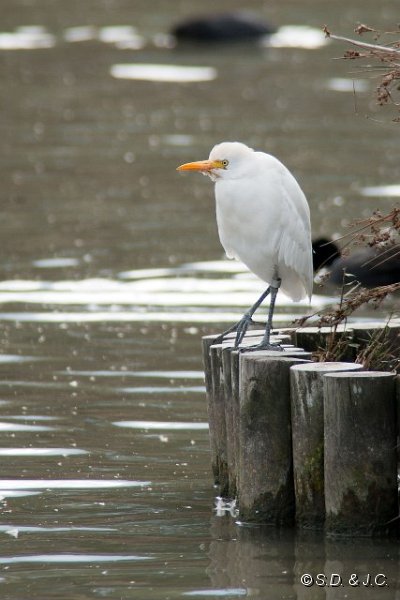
(111, 270)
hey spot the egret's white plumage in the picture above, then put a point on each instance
(262, 215)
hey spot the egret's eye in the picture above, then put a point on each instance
(224, 163)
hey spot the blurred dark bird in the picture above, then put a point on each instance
(369, 266)
(224, 27)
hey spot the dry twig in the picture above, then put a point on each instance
(388, 55)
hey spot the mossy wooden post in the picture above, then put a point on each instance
(234, 449)
(232, 417)
(398, 416)
(231, 377)
(316, 338)
(307, 405)
(230, 423)
(219, 418)
(361, 491)
(265, 485)
(230, 369)
(386, 335)
(216, 409)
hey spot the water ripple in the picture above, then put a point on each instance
(70, 558)
(42, 452)
(36, 529)
(222, 592)
(165, 73)
(297, 36)
(16, 358)
(27, 38)
(196, 389)
(67, 484)
(164, 425)
(385, 191)
(152, 374)
(17, 427)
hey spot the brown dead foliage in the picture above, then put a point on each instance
(387, 56)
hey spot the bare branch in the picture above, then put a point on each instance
(388, 51)
(389, 55)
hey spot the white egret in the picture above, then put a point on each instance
(263, 220)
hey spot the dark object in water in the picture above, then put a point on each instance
(370, 266)
(224, 27)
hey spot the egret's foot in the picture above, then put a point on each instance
(240, 327)
(221, 337)
(263, 346)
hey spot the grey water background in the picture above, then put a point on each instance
(111, 271)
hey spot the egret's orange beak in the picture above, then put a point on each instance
(201, 166)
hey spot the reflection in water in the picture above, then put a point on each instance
(218, 593)
(165, 73)
(16, 427)
(246, 556)
(297, 36)
(51, 263)
(16, 494)
(35, 529)
(123, 37)
(15, 358)
(81, 33)
(27, 38)
(202, 290)
(386, 191)
(200, 389)
(122, 316)
(151, 374)
(159, 425)
(35, 37)
(225, 506)
(126, 37)
(67, 484)
(70, 558)
(340, 84)
(42, 452)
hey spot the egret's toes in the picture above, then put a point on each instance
(221, 337)
(242, 328)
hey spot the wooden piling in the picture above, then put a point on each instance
(265, 483)
(381, 335)
(235, 400)
(398, 416)
(221, 365)
(307, 410)
(215, 409)
(232, 409)
(230, 422)
(360, 463)
(313, 339)
(266, 447)
(218, 409)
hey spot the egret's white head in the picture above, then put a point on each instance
(228, 160)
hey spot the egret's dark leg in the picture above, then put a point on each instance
(268, 327)
(241, 326)
(265, 342)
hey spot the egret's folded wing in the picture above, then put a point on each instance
(295, 249)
